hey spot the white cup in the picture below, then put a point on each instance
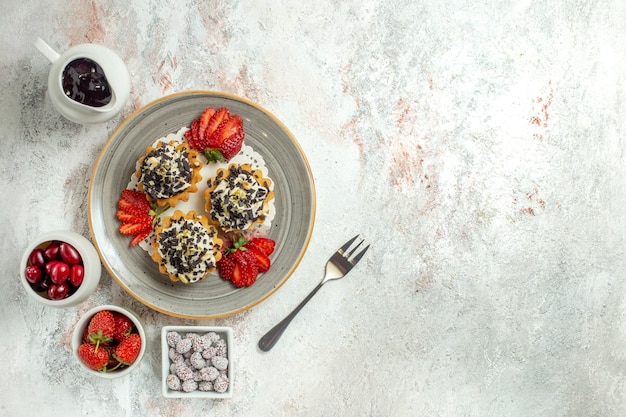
(115, 72)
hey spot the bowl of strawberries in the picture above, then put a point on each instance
(109, 341)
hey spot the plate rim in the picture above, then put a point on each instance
(258, 107)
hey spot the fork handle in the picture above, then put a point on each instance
(271, 337)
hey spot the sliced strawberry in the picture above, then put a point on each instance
(133, 202)
(252, 271)
(216, 120)
(232, 145)
(136, 215)
(246, 270)
(227, 150)
(266, 245)
(135, 228)
(226, 267)
(217, 133)
(203, 122)
(193, 137)
(262, 260)
(236, 277)
(231, 126)
(126, 217)
(128, 208)
(131, 208)
(138, 237)
(225, 129)
(135, 198)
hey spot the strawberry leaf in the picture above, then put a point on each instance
(213, 154)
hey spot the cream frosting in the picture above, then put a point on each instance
(187, 249)
(237, 200)
(166, 171)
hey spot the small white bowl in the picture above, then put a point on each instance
(91, 264)
(225, 333)
(81, 327)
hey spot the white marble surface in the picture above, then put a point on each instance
(479, 145)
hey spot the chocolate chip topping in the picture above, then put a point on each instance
(237, 200)
(166, 171)
(187, 249)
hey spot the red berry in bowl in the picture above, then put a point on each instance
(77, 273)
(55, 268)
(52, 251)
(59, 272)
(48, 266)
(69, 265)
(69, 254)
(58, 291)
(45, 283)
(93, 357)
(36, 258)
(33, 274)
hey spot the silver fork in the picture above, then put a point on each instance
(338, 266)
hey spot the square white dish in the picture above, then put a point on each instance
(224, 333)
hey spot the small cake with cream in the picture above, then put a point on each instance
(237, 197)
(186, 247)
(169, 172)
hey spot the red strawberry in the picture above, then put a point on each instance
(229, 127)
(216, 133)
(134, 201)
(136, 215)
(266, 245)
(126, 216)
(262, 260)
(101, 328)
(227, 150)
(123, 206)
(138, 237)
(243, 260)
(193, 136)
(232, 145)
(128, 349)
(112, 363)
(123, 326)
(226, 267)
(93, 357)
(246, 269)
(226, 140)
(203, 122)
(135, 228)
(216, 120)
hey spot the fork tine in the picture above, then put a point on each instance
(358, 257)
(349, 254)
(347, 245)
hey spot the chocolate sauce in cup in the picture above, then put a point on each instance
(84, 81)
(88, 83)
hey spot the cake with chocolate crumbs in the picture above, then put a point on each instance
(186, 247)
(169, 172)
(237, 197)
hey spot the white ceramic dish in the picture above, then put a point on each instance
(91, 263)
(79, 331)
(114, 69)
(225, 333)
(133, 268)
